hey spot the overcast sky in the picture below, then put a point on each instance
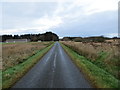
(65, 18)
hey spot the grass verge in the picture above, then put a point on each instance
(0, 79)
(13, 74)
(98, 77)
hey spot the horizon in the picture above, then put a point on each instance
(80, 18)
(62, 37)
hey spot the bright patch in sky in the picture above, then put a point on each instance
(64, 17)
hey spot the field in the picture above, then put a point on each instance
(18, 58)
(16, 53)
(104, 56)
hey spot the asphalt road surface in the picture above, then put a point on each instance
(54, 70)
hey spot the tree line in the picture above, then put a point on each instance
(88, 39)
(48, 36)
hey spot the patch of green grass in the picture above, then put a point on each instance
(100, 60)
(13, 74)
(97, 76)
(102, 55)
(0, 79)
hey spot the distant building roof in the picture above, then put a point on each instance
(17, 40)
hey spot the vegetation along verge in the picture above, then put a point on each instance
(97, 76)
(12, 74)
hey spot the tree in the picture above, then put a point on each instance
(48, 36)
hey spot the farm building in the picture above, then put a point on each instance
(16, 40)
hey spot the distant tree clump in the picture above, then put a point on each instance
(48, 36)
(88, 39)
(78, 39)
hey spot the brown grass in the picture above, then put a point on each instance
(16, 53)
(104, 55)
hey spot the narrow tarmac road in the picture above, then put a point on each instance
(54, 70)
